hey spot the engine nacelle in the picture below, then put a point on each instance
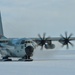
(49, 46)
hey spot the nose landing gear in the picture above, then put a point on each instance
(29, 52)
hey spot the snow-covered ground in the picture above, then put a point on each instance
(51, 67)
(53, 54)
(45, 63)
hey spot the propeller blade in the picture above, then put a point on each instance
(66, 34)
(71, 44)
(67, 46)
(66, 40)
(44, 36)
(40, 36)
(43, 40)
(62, 36)
(70, 36)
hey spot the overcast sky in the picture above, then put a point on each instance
(27, 18)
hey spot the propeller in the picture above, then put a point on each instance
(43, 40)
(66, 40)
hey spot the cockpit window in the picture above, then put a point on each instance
(24, 41)
(28, 41)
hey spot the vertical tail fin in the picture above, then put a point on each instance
(1, 28)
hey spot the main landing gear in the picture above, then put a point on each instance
(26, 58)
(6, 59)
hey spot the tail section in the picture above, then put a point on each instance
(1, 28)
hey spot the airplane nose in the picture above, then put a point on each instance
(29, 50)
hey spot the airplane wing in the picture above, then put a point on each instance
(64, 40)
(52, 39)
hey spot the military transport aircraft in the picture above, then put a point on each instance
(24, 47)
